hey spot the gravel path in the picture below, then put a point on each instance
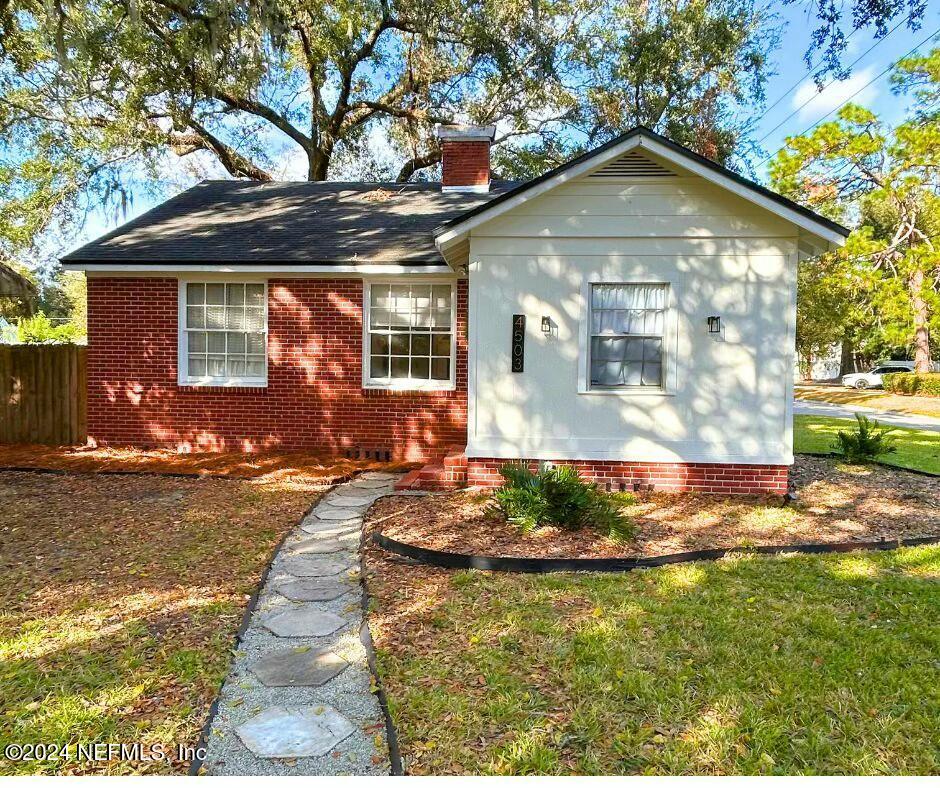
(298, 699)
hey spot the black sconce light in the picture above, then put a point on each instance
(714, 324)
(546, 324)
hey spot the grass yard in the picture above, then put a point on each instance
(917, 449)
(872, 398)
(120, 597)
(790, 665)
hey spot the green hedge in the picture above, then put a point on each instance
(924, 385)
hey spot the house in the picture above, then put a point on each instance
(631, 311)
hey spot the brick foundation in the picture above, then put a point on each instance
(314, 398)
(665, 477)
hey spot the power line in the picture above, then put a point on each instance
(814, 69)
(820, 92)
(863, 87)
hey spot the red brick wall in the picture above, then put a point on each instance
(665, 477)
(465, 163)
(314, 397)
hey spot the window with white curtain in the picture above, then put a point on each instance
(409, 335)
(628, 324)
(223, 333)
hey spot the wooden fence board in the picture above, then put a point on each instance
(42, 394)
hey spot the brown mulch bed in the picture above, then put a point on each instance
(270, 465)
(837, 503)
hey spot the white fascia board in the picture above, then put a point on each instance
(295, 270)
(639, 141)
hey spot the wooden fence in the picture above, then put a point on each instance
(42, 394)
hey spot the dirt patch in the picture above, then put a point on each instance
(270, 465)
(837, 503)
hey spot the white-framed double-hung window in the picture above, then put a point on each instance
(409, 335)
(223, 333)
(628, 325)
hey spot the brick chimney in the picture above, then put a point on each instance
(466, 154)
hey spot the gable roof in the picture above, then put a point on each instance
(239, 223)
(641, 137)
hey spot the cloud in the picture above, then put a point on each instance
(831, 96)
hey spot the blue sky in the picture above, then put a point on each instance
(787, 116)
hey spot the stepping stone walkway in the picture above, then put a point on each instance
(298, 700)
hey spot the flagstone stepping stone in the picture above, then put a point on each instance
(348, 491)
(350, 501)
(315, 546)
(381, 475)
(332, 513)
(301, 667)
(311, 566)
(315, 589)
(304, 621)
(313, 525)
(371, 484)
(295, 731)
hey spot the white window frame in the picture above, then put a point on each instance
(670, 342)
(407, 384)
(183, 377)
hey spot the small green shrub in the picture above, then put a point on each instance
(866, 442)
(39, 330)
(921, 384)
(560, 497)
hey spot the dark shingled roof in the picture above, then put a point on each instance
(242, 222)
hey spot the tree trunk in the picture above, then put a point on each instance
(847, 358)
(318, 164)
(806, 367)
(921, 322)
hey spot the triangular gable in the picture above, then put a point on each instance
(626, 157)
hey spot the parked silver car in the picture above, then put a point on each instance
(872, 379)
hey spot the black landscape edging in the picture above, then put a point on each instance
(203, 741)
(837, 456)
(448, 560)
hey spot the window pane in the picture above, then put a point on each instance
(255, 367)
(215, 317)
(216, 367)
(254, 295)
(399, 344)
(440, 369)
(441, 317)
(378, 296)
(195, 294)
(215, 294)
(420, 344)
(254, 318)
(235, 317)
(195, 317)
(441, 296)
(379, 344)
(236, 343)
(400, 367)
(255, 343)
(652, 374)
(216, 342)
(379, 318)
(235, 295)
(633, 373)
(237, 367)
(422, 317)
(441, 344)
(197, 342)
(420, 368)
(653, 350)
(197, 366)
(379, 366)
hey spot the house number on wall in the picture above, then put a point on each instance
(517, 351)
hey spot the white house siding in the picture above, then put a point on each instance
(729, 396)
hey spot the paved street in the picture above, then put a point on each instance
(813, 408)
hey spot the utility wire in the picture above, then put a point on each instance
(820, 92)
(863, 87)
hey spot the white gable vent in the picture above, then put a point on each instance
(632, 165)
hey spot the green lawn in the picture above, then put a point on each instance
(786, 665)
(917, 449)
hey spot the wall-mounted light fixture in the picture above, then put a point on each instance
(546, 324)
(714, 324)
